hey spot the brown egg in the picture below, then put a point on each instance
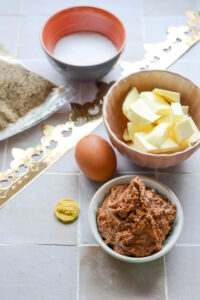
(96, 158)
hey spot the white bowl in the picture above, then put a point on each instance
(151, 183)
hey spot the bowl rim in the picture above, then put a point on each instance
(99, 240)
(123, 144)
(86, 7)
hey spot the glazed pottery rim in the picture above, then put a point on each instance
(165, 155)
(110, 251)
(90, 66)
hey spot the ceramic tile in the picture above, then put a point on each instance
(87, 190)
(9, 27)
(67, 163)
(192, 164)
(134, 49)
(38, 272)
(192, 54)
(123, 9)
(155, 27)
(32, 212)
(170, 8)
(29, 41)
(46, 7)
(183, 273)
(12, 8)
(189, 69)
(186, 187)
(33, 293)
(102, 275)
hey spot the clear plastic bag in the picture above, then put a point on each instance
(25, 97)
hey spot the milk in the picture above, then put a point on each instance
(84, 48)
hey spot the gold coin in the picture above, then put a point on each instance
(66, 210)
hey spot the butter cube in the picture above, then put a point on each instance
(165, 119)
(172, 136)
(158, 135)
(176, 112)
(168, 95)
(196, 135)
(134, 127)
(141, 144)
(140, 113)
(186, 143)
(183, 130)
(126, 136)
(185, 109)
(169, 146)
(130, 98)
(157, 104)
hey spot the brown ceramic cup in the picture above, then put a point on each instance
(115, 122)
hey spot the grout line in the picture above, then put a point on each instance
(79, 202)
(80, 173)
(166, 285)
(43, 59)
(21, 14)
(12, 244)
(5, 155)
(78, 235)
(88, 245)
(62, 173)
(134, 172)
(19, 27)
(197, 5)
(75, 245)
(21, 9)
(187, 245)
(143, 23)
(32, 286)
(78, 272)
(177, 173)
(47, 244)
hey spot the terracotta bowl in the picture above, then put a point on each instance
(115, 122)
(77, 19)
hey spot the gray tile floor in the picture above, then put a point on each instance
(38, 272)
(118, 280)
(41, 258)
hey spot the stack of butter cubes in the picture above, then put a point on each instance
(158, 123)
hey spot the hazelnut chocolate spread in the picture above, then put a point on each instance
(135, 220)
